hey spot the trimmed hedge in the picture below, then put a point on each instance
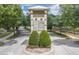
(34, 39)
(44, 41)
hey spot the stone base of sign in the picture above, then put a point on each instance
(39, 51)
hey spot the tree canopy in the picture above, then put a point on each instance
(69, 17)
(10, 16)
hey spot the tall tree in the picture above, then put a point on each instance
(10, 16)
(70, 15)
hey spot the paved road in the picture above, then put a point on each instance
(13, 49)
(62, 46)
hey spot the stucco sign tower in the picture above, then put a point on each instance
(38, 17)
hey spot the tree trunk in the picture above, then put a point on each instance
(17, 30)
(14, 30)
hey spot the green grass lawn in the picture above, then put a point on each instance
(1, 43)
(13, 36)
(4, 34)
(60, 34)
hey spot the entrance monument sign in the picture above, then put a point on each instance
(38, 17)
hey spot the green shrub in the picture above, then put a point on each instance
(44, 41)
(33, 40)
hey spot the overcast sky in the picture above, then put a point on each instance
(53, 8)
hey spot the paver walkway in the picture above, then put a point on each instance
(62, 46)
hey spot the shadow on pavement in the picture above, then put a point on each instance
(10, 43)
(25, 42)
(66, 42)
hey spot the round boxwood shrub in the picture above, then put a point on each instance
(44, 41)
(33, 39)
